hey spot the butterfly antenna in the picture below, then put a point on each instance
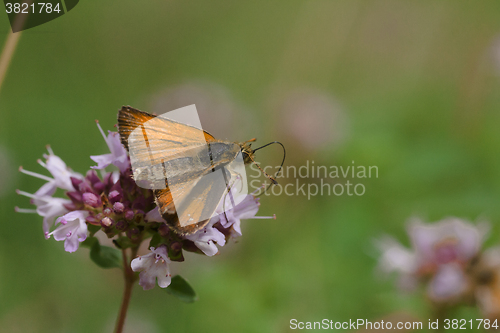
(280, 168)
(265, 173)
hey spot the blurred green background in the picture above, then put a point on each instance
(411, 87)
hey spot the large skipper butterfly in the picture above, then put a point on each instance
(188, 169)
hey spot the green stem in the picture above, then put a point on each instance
(11, 44)
(129, 277)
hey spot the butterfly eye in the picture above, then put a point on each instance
(246, 157)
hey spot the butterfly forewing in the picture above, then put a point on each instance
(162, 140)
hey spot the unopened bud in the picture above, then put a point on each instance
(91, 219)
(92, 176)
(129, 214)
(107, 222)
(91, 199)
(75, 196)
(118, 207)
(133, 233)
(75, 182)
(114, 196)
(99, 187)
(176, 246)
(121, 225)
(139, 212)
(164, 230)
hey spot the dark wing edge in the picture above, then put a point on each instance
(128, 120)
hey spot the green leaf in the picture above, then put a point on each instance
(181, 289)
(105, 256)
(93, 228)
(155, 240)
(89, 242)
(123, 242)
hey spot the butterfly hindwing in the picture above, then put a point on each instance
(198, 204)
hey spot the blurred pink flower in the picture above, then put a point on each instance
(313, 118)
(440, 252)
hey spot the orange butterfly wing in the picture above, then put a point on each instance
(162, 148)
(129, 119)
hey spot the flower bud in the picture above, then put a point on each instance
(121, 225)
(74, 196)
(99, 187)
(107, 222)
(133, 233)
(118, 207)
(107, 211)
(176, 246)
(129, 214)
(108, 179)
(92, 177)
(84, 187)
(164, 230)
(92, 220)
(75, 182)
(91, 199)
(114, 196)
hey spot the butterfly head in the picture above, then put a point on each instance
(247, 151)
(248, 154)
(248, 157)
